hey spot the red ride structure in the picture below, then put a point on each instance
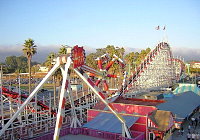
(103, 74)
(20, 98)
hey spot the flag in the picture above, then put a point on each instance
(164, 28)
(158, 28)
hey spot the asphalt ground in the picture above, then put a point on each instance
(176, 134)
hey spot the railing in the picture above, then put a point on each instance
(92, 133)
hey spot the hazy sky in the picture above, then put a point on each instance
(97, 23)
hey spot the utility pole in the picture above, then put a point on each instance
(1, 86)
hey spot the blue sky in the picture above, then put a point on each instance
(97, 23)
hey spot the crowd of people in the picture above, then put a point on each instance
(193, 133)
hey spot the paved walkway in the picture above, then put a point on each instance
(78, 137)
(177, 136)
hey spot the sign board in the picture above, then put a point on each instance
(78, 56)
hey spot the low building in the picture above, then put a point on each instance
(136, 113)
(195, 65)
(150, 119)
(69, 49)
(181, 105)
(43, 69)
(160, 123)
(76, 87)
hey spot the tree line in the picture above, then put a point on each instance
(132, 59)
(23, 64)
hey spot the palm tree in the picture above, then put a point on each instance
(49, 64)
(62, 50)
(49, 60)
(29, 50)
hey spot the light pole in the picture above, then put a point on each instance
(188, 68)
(1, 85)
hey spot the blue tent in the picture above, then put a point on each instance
(108, 122)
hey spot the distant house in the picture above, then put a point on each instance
(43, 69)
(195, 65)
(69, 49)
(76, 87)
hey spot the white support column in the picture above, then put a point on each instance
(35, 107)
(65, 87)
(10, 106)
(56, 66)
(62, 100)
(19, 90)
(75, 120)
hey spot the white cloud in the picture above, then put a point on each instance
(187, 53)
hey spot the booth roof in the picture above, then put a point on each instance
(182, 104)
(109, 123)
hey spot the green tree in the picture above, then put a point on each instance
(4, 68)
(141, 56)
(58, 73)
(90, 60)
(62, 50)
(49, 60)
(134, 59)
(21, 64)
(11, 64)
(111, 50)
(16, 64)
(29, 50)
(130, 60)
(48, 63)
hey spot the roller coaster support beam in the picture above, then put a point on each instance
(96, 90)
(1, 86)
(59, 61)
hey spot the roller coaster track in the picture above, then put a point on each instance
(15, 95)
(182, 67)
(157, 65)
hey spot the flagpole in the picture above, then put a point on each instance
(161, 35)
(165, 35)
(158, 34)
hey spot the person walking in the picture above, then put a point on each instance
(179, 132)
(182, 131)
(189, 136)
(193, 136)
(192, 120)
(197, 136)
(189, 128)
(199, 120)
(196, 122)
